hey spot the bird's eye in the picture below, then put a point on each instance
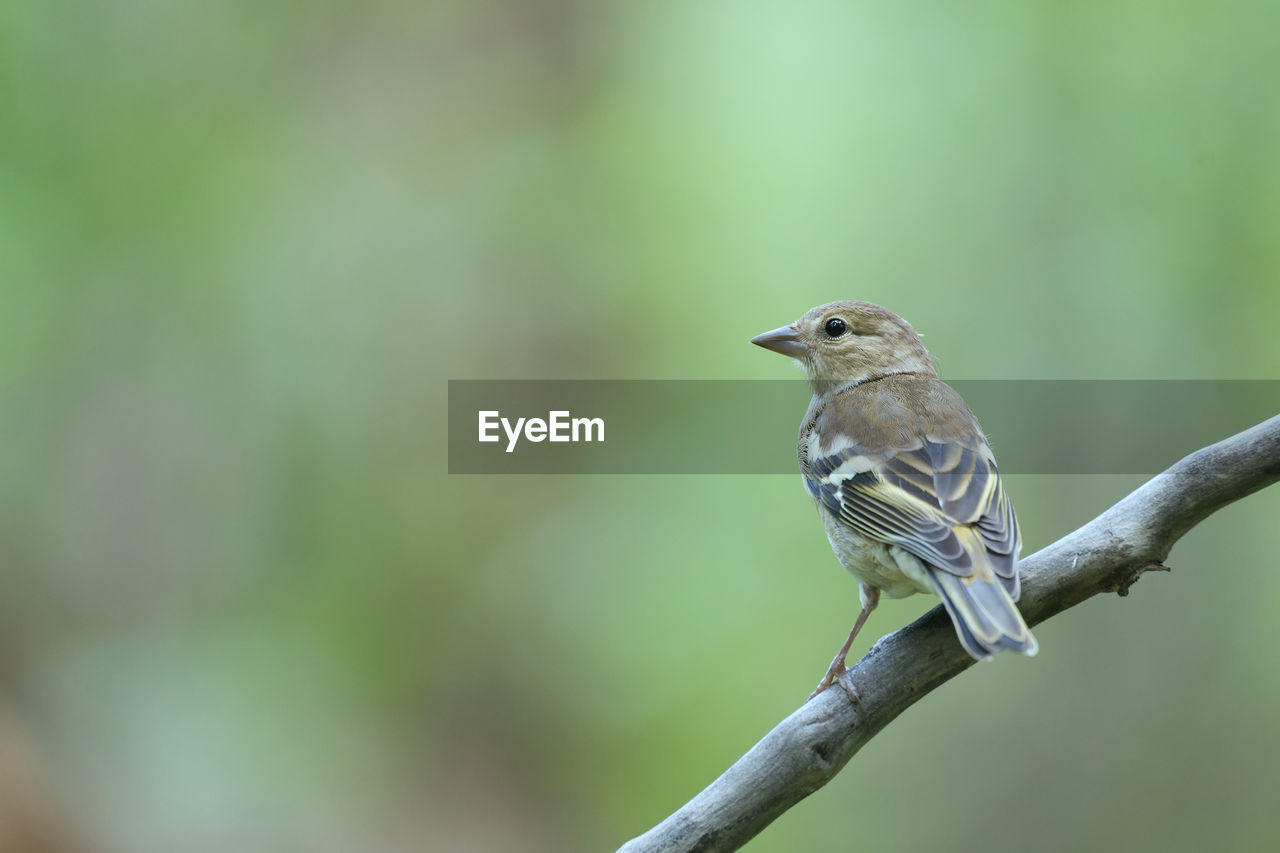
(835, 327)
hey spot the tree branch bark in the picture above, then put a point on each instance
(808, 748)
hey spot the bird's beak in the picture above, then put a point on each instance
(785, 341)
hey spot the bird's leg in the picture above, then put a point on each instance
(870, 598)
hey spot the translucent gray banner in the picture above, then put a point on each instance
(749, 426)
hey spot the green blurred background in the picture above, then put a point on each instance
(243, 246)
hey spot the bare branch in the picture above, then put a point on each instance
(1108, 554)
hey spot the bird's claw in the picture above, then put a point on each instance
(845, 680)
(843, 676)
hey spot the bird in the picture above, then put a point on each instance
(903, 477)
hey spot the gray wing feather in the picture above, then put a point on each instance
(914, 498)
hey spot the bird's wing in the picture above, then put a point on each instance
(918, 497)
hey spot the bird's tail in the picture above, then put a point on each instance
(983, 611)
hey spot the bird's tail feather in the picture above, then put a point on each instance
(984, 614)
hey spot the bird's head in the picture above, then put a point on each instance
(844, 343)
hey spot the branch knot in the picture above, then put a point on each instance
(1130, 577)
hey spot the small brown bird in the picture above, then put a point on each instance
(905, 482)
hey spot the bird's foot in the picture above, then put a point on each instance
(838, 674)
(826, 682)
(845, 680)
